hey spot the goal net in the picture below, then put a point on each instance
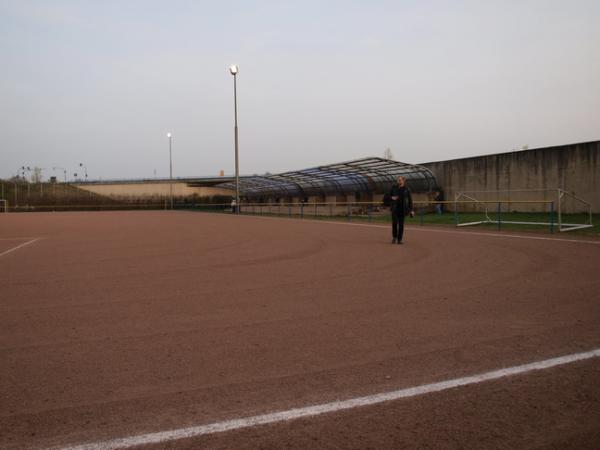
(540, 207)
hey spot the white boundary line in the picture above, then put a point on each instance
(516, 236)
(431, 230)
(463, 233)
(18, 238)
(310, 411)
(19, 246)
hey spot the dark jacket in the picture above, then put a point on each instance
(404, 202)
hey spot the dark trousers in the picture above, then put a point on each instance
(397, 224)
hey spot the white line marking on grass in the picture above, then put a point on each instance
(310, 411)
(19, 246)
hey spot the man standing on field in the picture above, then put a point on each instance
(401, 206)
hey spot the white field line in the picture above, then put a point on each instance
(315, 410)
(18, 246)
(463, 233)
(515, 236)
(18, 238)
(432, 230)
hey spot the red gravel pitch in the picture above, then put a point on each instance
(121, 323)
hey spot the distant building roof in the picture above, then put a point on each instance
(368, 175)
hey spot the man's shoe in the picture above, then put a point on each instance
(400, 242)
(394, 241)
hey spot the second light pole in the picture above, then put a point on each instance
(170, 136)
(234, 70)
(84, 169)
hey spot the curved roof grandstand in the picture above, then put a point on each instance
(366, 175)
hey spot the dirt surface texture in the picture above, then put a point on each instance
(121, 325)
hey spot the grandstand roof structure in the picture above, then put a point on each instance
(366, 175)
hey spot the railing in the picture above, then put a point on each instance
(463, 212)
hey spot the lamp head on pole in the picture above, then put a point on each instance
(169, 135)
(234, 69)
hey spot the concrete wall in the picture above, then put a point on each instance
(574, 168)
(149, 190)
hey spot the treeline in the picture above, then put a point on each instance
(27, 196)
(22, 194)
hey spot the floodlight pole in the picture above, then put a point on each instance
(170, 136)
(234, 70)
(84, 170)
(64, 171)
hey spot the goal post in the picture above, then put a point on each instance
(513, 207)
(3, 205)
(564, 196)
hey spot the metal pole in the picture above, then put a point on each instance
(498, 216)
(237, 167)
(170, 172)
(456, 209)
(560, 210)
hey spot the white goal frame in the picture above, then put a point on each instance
(556, 206)
(3, 205)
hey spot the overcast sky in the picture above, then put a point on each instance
(102, 82)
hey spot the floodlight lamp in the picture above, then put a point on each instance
(234, 69)
(169, 135)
